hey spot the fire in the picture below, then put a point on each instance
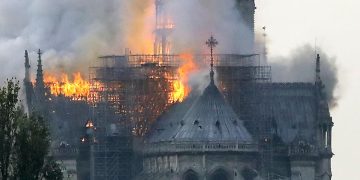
(181, 86)
(179, 91)
(77, 88)
(138, 28)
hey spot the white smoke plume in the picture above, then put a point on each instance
(300, 65)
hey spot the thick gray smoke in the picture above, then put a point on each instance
(73, 33)
(300, 67)
(196, 20)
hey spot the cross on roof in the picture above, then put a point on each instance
(212, 42)
(39, 52)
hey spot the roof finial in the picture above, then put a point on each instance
(212, 42)
(39, 74)
(318, 79)
(265, 53)
(27, 67)
(39, 55)
(27, 62)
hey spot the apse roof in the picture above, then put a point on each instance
(292, 107)
(208, 118)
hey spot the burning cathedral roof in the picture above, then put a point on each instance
(210, 118)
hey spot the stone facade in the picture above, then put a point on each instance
(202, 165)
(203, 139)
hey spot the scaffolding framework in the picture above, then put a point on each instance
(163, 28)
(132, 91)
(112, 159)
(138, 88)
(137, 92)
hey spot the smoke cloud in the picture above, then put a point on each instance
(71, 33)
(74, 33)
(300, 67)
(195, 21)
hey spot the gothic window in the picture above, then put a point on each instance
(326, 139)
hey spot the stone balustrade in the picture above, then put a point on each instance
(183, 147)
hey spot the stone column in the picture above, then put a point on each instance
(324, 169)
(302, 169)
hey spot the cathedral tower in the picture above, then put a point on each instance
(247, 11)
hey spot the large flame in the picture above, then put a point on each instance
(139, 26)
(181, 88)
(77, 88)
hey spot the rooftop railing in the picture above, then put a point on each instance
(183, 147)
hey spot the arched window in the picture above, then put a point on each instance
(191, 175)
(219, 175)
(326, 139)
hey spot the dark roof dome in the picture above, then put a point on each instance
(208, 124)
(209, 119)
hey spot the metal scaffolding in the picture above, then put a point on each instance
(163, 29)
(112, 159)
(132, 91)
(137, 88)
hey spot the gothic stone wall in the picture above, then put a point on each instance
(175, 167)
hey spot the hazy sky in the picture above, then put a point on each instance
(335, 26)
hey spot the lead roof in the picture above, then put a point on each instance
(209, 119)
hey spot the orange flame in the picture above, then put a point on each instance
(181, 86)
(78, 88)
(139, 26)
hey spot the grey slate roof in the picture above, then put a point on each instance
(292, 106)
(209, 119)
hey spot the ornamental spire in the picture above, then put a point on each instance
(27, 67)
(39, 75)
(317, 71)
(212, 42)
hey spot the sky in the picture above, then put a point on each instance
(334, 26)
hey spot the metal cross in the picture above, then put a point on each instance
(212, 42)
